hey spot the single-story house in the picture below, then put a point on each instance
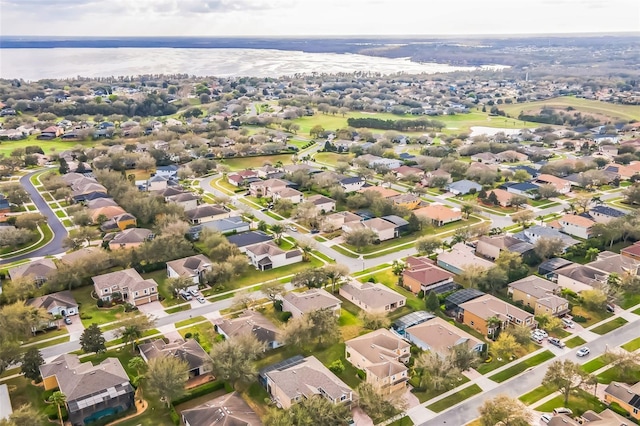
(382, 355)
(251, 322)
(248, 239)
(5, 402)
(421, 274)
(491, 247)
(351, 183)
(229, 225)
(193, 267)
(408, 201)
(439, 214)
(323, 204)
(311, 300)
(548, 267)
(534, 233)
(540, 295)
(578, 226)
(563, 186)
(463, 187)
(267, 255)
(207, 213)
(440, 336)
(503, 197)
(485, 157)
(525, 189)
(61, 303)
(129, 238)
(460, 257)
(39, 270)
(337, 220)
(129, 284)
(291, 380)
(80, 254)
(383, 229)
(477, 312)
(92, 391)
(372, 297)
(511, 156)
(605, 214)
(406, 171)
(226, 410)
(188, 350)
(242, 177)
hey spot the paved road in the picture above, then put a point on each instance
(55, 246)
(468, 410)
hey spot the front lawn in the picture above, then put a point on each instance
(514, 370)
(89, 311)
(431, 393)
(592, 317)
(613, 375)
(609, 326)
(204, 333)
(594, 365)
(454, 399)
(254, 276)
(630, 300)
(574, 342)
(537, 394)
(579, 402)
(632, 345)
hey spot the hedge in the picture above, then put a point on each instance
(200, 391)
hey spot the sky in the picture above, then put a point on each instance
(314, 17)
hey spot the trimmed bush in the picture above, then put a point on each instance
(579, 318)
(200, 391)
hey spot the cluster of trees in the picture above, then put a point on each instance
(561, 118)
(17, 323)
(508, 267)
(399, 125)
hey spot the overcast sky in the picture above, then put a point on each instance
(314, 17)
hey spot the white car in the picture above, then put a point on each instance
(584, 351)
(200, 299)
(193, 292)
(546, 418)
(568, 323)
(541, 333)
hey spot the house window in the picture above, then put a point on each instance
(136, 294)
(105, 291)
(472, 323)
(146, 291)
(635, 411)
(518, 321)
(401, 303)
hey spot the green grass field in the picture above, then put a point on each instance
(332, 158)
(537, 394)
(47, 146)
(579, 401)
(594, 365)
(522, 366)
(253, 162)
(574, 342)
(585, 106)
(609, 326)
(454, 399)
(632, 345)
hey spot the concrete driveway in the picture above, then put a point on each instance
(154, 309)
(75, 329)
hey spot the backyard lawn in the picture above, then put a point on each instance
(579, 401)
(204, 333)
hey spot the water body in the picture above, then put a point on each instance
(35, 64)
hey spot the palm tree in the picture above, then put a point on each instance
(466, 209)
(592, 254)
(597, 200)
(131, 334)
(59, 399)
(277, 230)
(541, 219)
(493, 325)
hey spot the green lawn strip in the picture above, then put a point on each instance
(273, 215)
(454, 399)
(574, 342)
(89, 311)
(47, 197)
(45, 344)
(594, 365)
(632, 345)
(67, 222)
(430, 393)
(253, 276)
(189, 321)
(630, 300)
(323, 256)
(10, 372)
(370, 271)
(223, 185)
(522, 366)
(62, 331)
(579, 402)
(609, 326)
(61, 214)
(402, 421)
(613, 374)
(537, 394)
(121, 340)
(341, 250)
(178, 308)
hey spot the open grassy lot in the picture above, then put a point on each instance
(454, 399)
(609, 326)
(633, 345)
(89, 311)
(253, 162)
(522, 366)
(332, 158)
(537, 394)
(47, 146)
(586, 106)
(579, 401)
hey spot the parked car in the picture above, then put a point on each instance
(292, 228)
(186, 296)
(563, 410)
(314, 231)
(541, 333)
(556, 342)
(584, 351)
(568, 323)
(193, 292)
(536, 338)
(546, 418)
(200, 299)
(67, 320)
(611, 307)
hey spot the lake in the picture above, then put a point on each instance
(35, 64)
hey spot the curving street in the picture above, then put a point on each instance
(55, 246)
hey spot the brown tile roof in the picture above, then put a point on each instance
(311, 300)
(62, 299)
(424, 271)
(188, 350)
(441, 336)
(250, 322)
(488, 306)
(225, 410)
(190, 266)
(37, 268)
(438, 212)
(373, 295)
(576, 220)
(384, 192)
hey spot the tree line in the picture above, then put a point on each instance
(400, 125)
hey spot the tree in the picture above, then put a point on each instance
(316, 130)
(374, 321)
(472, 275)
(518, 201)
(505, 346)
(26, 415)
(461, 235)
(511, 263)
(92, 339)
(178, 283)
(31, 362)
(625, 363)
(565, 376)
(325, 326)
(464, 357)
(547, 247)
(360, 238)
(234, 360)
(15, 194)
(273, 290)
(522, 218)
(592, 254)
(138, 364)
(308, 411)
(64, 167)
(594, 299)
(334, 273)
(310, 278)
(466, 210)
(521, 176)
(166, 377)
(277, 232)
(377, 406)
(505, 411)
(521, 333)
(145, 162)
(30, 220)
(547, 191)
(428, 245)
(133, 326)
(432, 303)
(632, 194)
(493, 198)
(59, 399)
(436, 372)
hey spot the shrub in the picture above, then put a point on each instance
(100, 303)
(421, 294)
(361, 374)
(579, 318)
(371, 280)
(200, 391)
(336, 366)
(284, 316)
(188, 335)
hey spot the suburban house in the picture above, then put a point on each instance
(589, 418)
(92, 391)
(381, 190)
(269, 172)
(265, 256)
(578, 277)
(323, 204)
(242, 177)
(439, 214)
(193, 267)
(229, 225)
(158, 183)
(226, 410)
(188, 350)
(80, 254)
(375, 161)
(400, 325)
(382, 355)
(626, 396)
(5, 206)
(121, 222)
(289, 194)
(563, 186)
(296, 378)
(476, 314)
(401, 225)
(408, 201)
(383, 229)
(337, 220)
(61, 303)
(129, 284)
(526, 189)
(351, 183)
(251, 322)
(372, 297)
(430, 176)
(38, 270)
(463, 187)
(207, 213)
(540, 295)
(421, 274)
(485, 157)
(440, 336)
(407, 171)
(266, 188)
(188, 200)
(548, 268)
(459, 258)
(168, 171)
(129, 238)
(491, 247)
(107, 211)
(632, 252)
(511, 156)
(248, 239)
(5, 402)
(311, 300)
(614, 263)
(534, 233)
(605, 214)
(578, 226)
(503, 197)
